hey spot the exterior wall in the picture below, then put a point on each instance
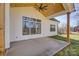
(16, 14)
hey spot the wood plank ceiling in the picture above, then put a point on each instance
(51, 8)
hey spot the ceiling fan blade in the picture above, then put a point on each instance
(44, 6)
(41, 5)
(45, 9)
(41, 9)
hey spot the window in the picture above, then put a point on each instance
(38, 26)
(31, 26)
(52, 27)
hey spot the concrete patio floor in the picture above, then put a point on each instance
(36, 47)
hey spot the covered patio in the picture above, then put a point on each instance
(45, 46)
(40, 46)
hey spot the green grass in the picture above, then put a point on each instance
(74, 43)
(72, 36)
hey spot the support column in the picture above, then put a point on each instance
(7, 25)
(68, 27)
(2, 48)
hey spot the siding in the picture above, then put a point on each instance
(16, 14)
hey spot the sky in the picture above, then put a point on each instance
(74, 17)
(63, 20)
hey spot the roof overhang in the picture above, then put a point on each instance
(68, 8)
(53, 10)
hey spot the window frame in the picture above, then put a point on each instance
(52, 28)
(31, 29)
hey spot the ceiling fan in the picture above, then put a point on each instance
(41, 7)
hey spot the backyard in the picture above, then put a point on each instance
(74, 50)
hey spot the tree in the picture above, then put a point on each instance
(62, 28)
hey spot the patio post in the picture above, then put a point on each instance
(68, 27)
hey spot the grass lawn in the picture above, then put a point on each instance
(74, 43)
(72, 36)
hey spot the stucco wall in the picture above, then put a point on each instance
(16, 14)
